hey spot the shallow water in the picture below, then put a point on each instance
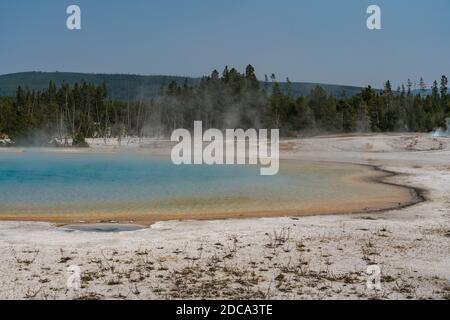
(102, 227)
(62, 184)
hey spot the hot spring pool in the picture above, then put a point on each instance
(67, 187)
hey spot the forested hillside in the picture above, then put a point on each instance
(126, 87)
(229, 99)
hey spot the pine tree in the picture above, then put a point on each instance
(422, 86)
(388, 89)
(443, 92)
(435, 91)
(250, 77)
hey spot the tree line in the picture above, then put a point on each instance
(230, 99)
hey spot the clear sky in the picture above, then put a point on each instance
(323, 41)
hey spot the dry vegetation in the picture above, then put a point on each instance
(285, 265)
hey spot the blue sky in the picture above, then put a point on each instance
(306, 40)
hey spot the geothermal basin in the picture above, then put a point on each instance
(86, 187)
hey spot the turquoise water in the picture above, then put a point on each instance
(39, 177)
(34, 182)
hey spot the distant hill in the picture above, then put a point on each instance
(120, 86)
(426, 92)
(135, 87)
